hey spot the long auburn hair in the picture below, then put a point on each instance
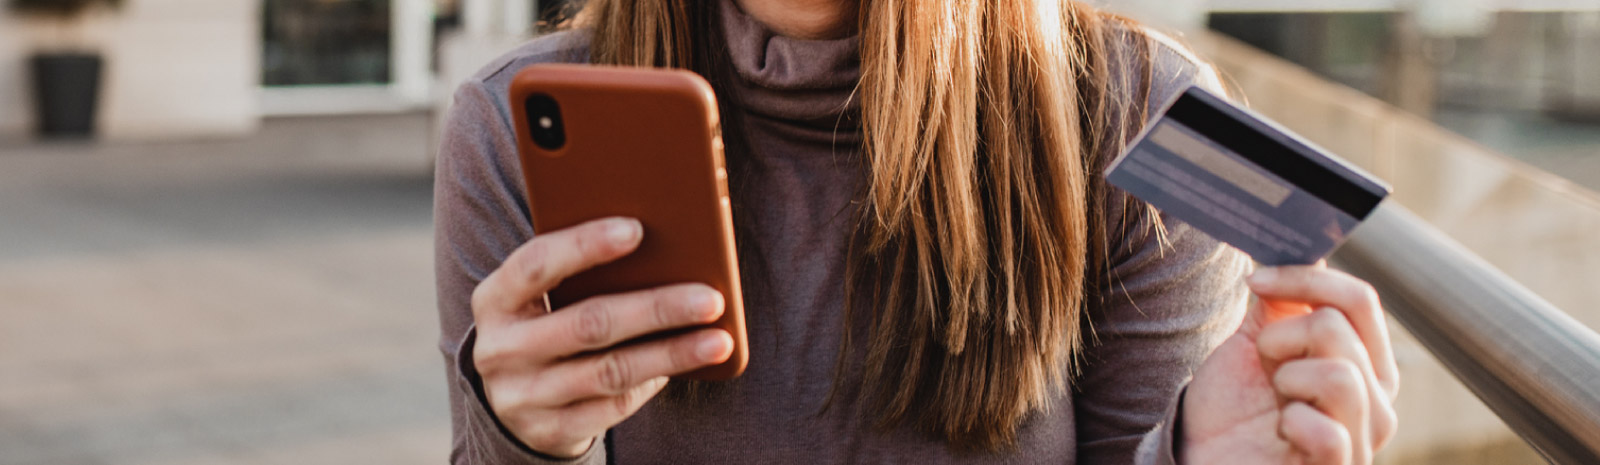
(971, 262)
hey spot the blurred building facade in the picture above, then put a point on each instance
(208, 68)
(176, 68)
(194, 68)
(1519, 61)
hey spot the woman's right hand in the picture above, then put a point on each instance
(559, 379)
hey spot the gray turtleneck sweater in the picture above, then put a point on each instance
(1171, 304)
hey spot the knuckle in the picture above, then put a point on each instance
(1328, 446)
(508, 404)
(622, 405)
(482, 296)
(611, 376)
(1339, 446)
(1366, 293)
(505, 351)
(1386, 421)
(1303, 275)
(593, 325)
(1343, 378)
(489, 367)
(591, 242)
(1329, 325)
(661, 308)
(1384, 425)
(488, 355)
(1315, 434)
(584, 241)
(1359, 294)
(533, 263)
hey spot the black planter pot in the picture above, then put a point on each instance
(66, 91)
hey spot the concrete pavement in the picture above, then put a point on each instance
(257, 301)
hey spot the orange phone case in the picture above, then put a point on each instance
(641, 143)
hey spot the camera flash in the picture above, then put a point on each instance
(544, 122)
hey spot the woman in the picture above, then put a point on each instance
(934, 271)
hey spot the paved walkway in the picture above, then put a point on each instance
(257, 301)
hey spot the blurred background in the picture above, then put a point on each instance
(215, 232)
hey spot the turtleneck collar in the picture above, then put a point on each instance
(810, 82)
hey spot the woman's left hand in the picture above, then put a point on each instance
(1309, 378)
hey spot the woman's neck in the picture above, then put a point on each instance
(805, 19)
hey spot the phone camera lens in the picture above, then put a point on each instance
(544, 122)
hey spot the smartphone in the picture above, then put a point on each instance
(601, 141)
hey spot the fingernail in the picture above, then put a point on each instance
(1262, 276)
(711, 348)
(701, 303)
(624, 230)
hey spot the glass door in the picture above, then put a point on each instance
(345, 56)
(326, 42)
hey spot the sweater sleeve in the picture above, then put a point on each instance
(1164, 308)
(480, 216)
(1171, 296)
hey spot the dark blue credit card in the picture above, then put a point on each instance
(1245, 181)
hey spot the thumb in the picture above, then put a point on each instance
(1265, 311)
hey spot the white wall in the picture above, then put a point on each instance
(175, 69)
(15, 106)
(1166, 14)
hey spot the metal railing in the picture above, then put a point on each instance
(1536, 368)
(1532, 364)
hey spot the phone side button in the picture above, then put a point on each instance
(722, 165)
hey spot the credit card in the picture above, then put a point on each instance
(1246, 181)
